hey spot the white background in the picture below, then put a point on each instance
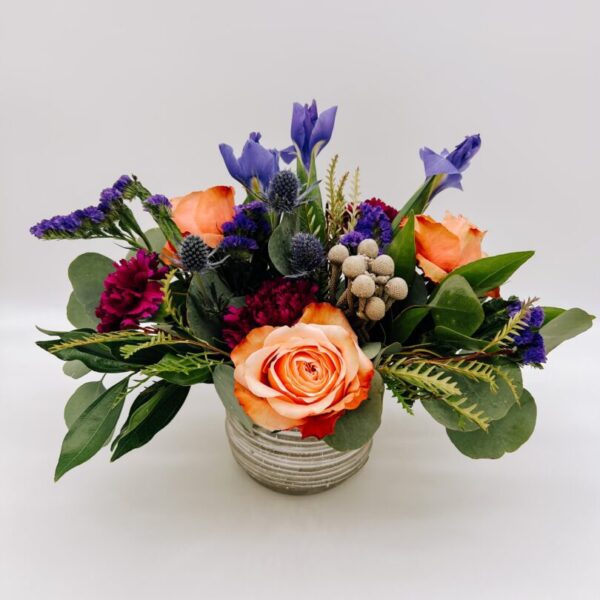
(90, 90)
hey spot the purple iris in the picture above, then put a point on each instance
(450, 164)
(310, 131)
(256, 164)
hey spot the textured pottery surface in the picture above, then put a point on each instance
(286, 463)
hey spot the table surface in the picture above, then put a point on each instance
(180, 519)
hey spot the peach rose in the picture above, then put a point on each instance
(203, 213)
(442, 247)
(303, 376)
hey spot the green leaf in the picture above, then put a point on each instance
(205, 289)
(224, 384)
(403, 250)
(456, 306)
(407, 321)
(490, 272)
(463, 342)
(419, 200)
(81, 399)
(565, 326)
(495, 404)
(156, 238)
(75, 369)
(356, 427)
(371, 349)
(87, 274)
(92, 429)
(81, 315)
(153, 410)
(504, 435)
(551, 312)
(182, 369)
(279, 243)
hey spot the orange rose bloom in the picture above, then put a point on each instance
(442, 247)
(303, 376)
(203, 213)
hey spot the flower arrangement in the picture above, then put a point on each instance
(300, 305)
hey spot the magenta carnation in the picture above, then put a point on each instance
(131, 293)
(276, 302)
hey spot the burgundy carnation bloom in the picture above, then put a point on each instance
(390, 211)
(276, 302)
(131, 293)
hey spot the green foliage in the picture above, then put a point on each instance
(463, 342)
(354, 198)
(565, 326)
(155, 237)
(490, 272)
(81, 399)
(551, 312)
(99, 338)
(87, 274)
(401, 392)
(183, 369)
(419, 201)
(75, 369)
(206, 299)
(311, 213)
(81, 315)
(92, 428)
(504, 435)
(407, 321)
(471, 369)
(356, 427)
(279, 242)
(371, 349)
(403, 250)
(152, 410)
(512, 328)
(224, 384)
(456, 306)
(336, 202)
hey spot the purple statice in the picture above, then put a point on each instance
(310, 132)
(352, 239)
(121, 184)
(238, 243)
(529, 341)
(247, 229)
(372, 223)
(255, 166)
(108, 199)
(75, 224)
(158, 200)
(450, 164)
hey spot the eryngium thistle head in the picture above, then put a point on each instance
(283, 192)
(306, 253)
(194, 254)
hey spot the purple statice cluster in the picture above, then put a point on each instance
(247, 229)
(529, 340)
(372, 223)
(86, 221)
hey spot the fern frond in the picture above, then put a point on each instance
(422, 375)
(330, 180)
(160, 339)
(469, 411)
(335, 201)
(99, 338)
(181, 363)
(354, 198)
(168, 302)
(402, 393)
(472, 369)
(500, 372)
(513, 327)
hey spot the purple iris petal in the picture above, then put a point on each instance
(255, 162)
(310, 131)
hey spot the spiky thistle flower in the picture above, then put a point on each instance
(306, 253)
(194, 254)
(283, 192)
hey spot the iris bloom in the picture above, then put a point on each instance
(450, 165)
(255, 167)
(310, 132)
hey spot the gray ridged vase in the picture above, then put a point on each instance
(286, 463)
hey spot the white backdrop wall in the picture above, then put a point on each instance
(91, 90)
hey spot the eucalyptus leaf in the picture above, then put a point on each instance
(371, 350)
(92, 428)
(456, 306)
(75, 369)
(224, 384)
(81, 399)
(279, 242)
(491, 272)
(407, 321)
(504, 435)
(463, 342)
(81, 315)
(160, 403)
(356, 427)
(565, 326)
(87, 274)
(156, 238)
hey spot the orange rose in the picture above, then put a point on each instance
(203, 213)
(303, 376)
(442, 247)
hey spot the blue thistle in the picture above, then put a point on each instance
(306, 254)
(194, 254)
(283, 192)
